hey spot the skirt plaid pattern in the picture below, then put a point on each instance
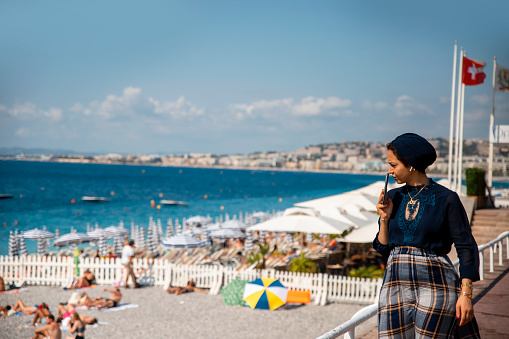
(418, 297)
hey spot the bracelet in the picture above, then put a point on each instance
(469, 285)
(384, 219)
(469, 296)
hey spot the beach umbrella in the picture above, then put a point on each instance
(103, 247)
(99, 233)
(169, 228)
(233, 293)
(260, 215)
(12, 244)
(302, 223)
(178, 230)
(249, 244)
(41, 247)
(37, 234)
(205, 234)
(140, 239)
(182, 241)
(265, 294)
(116, 230)
(159, 228)
(363, 235)
(198, 219)
(118, 244)
(309, 237)
(235, 224)
(72, 238)
(363, 200)
(22, 247)
(152, 244)
(227, 233)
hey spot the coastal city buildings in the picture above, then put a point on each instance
(356, 156)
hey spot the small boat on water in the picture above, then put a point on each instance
(6, 196)
(173, 202)
(95, 199)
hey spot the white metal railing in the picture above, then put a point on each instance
(60, 271)
(348, 328)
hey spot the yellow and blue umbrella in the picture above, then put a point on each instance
(265, 294)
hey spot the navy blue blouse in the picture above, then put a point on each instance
(433, 219)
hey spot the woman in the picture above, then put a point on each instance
(422, 295)
(77, 326)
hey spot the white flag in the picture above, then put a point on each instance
(501, 79)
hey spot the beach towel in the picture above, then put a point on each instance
(120, 307)
(79, 288)
(65, 324)
(17, 290)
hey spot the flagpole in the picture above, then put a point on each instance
(456, 145)
(492, 123)
(460, 154)
(451, 124)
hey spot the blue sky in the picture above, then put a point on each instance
(239, 76)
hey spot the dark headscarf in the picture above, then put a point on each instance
(416, 151)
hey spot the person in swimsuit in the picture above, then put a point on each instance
(190, 287)
(78, 326)
(40, 313)
(51, 330)
(112, 301)
(88, 279)
(20, 307)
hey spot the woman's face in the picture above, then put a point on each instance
(399, 172)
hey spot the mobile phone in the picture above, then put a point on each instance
(384, 200)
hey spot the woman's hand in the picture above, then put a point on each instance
(384, 211)
(464, 310)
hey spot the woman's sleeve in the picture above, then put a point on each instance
(464, 241)
(384, 250)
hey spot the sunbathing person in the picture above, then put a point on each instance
(87, 280)
(112, 301)
(20, 307)
(65, 313)
(190, 287)
(77, 326)
(51, 330)
(5, 311)
(40, 313)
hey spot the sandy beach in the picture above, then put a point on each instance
(194, 315)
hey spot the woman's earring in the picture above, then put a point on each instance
(411, 168)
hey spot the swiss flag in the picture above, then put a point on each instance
(473, 72)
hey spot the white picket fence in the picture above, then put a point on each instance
(59, 271)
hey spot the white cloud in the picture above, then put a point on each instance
(176, 109)
(133, 104)
(113, 106)
(314, 106)
(407, 106)
(29, 110)
(309, 106)
(22, 132)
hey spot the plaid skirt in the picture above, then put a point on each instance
(418, 297)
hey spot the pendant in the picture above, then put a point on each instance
(411, 207)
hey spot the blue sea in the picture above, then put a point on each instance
(50, 193)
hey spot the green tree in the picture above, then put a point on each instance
(372, 272)
(302, 264)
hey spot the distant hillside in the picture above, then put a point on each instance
(19, 150)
